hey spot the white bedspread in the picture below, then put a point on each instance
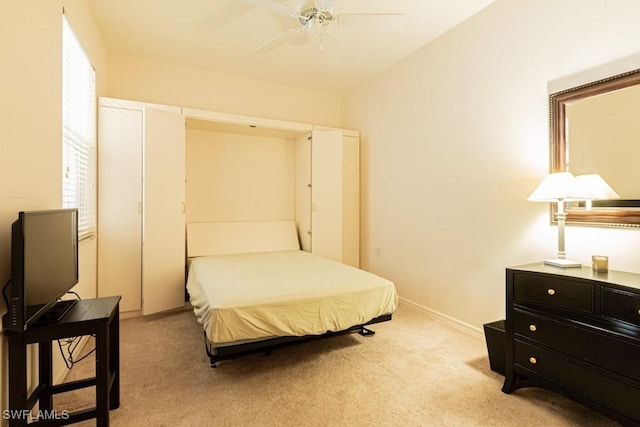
(283, 293)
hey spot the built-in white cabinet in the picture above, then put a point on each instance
(141, 195)
(328, 194)
(141, 225)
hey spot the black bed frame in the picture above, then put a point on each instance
(217, 354)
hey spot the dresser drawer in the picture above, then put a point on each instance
(588, 383)
(560, 293)
(621, 305)
(598, 348)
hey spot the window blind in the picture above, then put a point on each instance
(78, 132)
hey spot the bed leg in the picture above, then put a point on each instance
(210, 353)
(213, 361)
(366, 332)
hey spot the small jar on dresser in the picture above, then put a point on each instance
(575, 332)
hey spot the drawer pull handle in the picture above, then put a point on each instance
(551, 291)
(533, 360)
(533, 328)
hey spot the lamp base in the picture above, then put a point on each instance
(564, 263)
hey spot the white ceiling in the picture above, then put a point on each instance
(221, 35)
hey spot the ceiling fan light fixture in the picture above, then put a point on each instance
(317, 17)
(311, 14)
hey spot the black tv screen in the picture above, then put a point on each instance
(44, 263)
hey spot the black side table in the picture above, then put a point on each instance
(99, 317)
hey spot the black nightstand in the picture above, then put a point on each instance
(99, 317)
(577, 333)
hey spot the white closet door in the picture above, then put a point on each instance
(303, 191)
(326, 193)
(163, 246)
(351, 201)
(119, 202)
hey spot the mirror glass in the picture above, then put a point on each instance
(595, 128)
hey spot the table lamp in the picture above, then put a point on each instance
(598, 187)
(561, 187)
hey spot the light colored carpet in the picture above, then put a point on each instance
(416, 371)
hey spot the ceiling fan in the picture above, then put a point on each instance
(318, 17)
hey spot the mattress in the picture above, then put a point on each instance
(252, 296)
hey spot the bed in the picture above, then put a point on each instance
(253, 289)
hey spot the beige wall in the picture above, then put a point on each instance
(31, 127)
(454, 139)
(163, 83)
(234, 177)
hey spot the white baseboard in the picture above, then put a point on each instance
(138, 313)
(452, 321)
(130, 314)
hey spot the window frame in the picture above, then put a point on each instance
(79, 126)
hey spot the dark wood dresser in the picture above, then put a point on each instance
(577, 333)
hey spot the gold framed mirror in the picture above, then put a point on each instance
(595, 128)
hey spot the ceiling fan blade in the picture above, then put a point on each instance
(287, 36)
(283, 22)
(324, 5)
(273, 6)
(300, 38)
(383, 21)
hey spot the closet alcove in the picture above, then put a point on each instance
(160, 167)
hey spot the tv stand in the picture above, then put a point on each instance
(97, 316)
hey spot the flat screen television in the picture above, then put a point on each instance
(44, 266)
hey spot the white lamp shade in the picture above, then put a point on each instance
(597, 186)
(560, 186)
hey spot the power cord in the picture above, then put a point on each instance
(71, 345)
(4, 294)
(74, 293)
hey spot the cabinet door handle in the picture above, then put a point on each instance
(551, 291)
(533, 328)
(533, 360)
